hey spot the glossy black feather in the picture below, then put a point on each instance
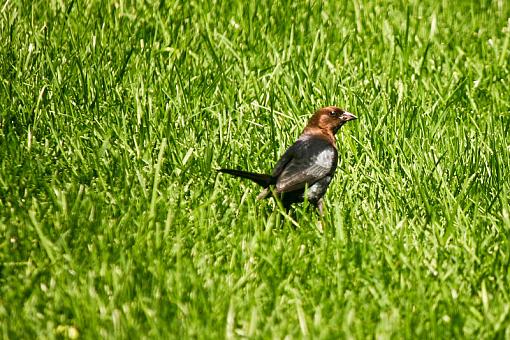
(261, 179)
(311, 159)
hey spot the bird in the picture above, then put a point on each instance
(307, 167)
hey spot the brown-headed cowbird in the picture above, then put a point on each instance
(308, 165)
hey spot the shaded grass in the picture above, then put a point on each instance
(115, 116)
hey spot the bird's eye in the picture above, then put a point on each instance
(332, 113)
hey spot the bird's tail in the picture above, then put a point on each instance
(261, 179)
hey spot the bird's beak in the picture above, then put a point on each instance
(349, 116)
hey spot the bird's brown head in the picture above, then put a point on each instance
(330, 119)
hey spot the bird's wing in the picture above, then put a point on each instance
(311, 161)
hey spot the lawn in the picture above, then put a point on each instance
(115, 115)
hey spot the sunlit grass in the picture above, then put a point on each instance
(115, 116)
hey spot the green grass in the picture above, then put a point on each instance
(115, 115)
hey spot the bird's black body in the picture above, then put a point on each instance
(308, 165)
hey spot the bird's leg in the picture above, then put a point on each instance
(263, 194)
(320, 207)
